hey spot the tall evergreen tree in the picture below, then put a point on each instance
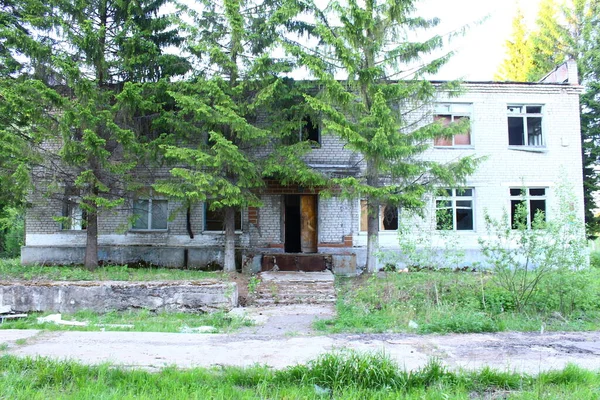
(237, 84)
(548, 42)
(104, 50)
(519, 60)
(369, 43)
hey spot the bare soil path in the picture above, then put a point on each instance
(283, 336)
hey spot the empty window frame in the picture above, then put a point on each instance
(525, 125)
(150, 214)
(214, 220)
(454, 209)
(448, 113)
(388, 217)
(310, 131)
(74, 217)
(532, 199)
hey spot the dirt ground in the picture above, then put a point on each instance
(283, 336)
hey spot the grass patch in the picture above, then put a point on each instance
(140, 321)
(12, 269)
(462, 302)
(345, 375)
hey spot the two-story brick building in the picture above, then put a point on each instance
(528, 133)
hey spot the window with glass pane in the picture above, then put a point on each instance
(454, 209)
(150, 214)
(525, 126)
(448, 113)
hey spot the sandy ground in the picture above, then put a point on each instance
(283, 336)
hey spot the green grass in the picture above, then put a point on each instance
(346, 375)
(462, 302)
(12, 269)
(142, 321)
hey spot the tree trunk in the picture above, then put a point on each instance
(372, 234)
(229, 257)
(91, 244)
(372, 217)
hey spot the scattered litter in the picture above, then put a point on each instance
(321, 391)
(57, 319)
(6, 312)
(115, 325)
(198, 329)
(413, 325)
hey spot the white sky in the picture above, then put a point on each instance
(481, 50)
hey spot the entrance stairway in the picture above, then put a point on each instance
(283, 287)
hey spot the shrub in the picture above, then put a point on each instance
(12, 229)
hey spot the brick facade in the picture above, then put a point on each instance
(504, 167)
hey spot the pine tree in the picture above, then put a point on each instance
(519, 60)
(227, 153)
(370, 45)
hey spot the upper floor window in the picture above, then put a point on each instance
(525, 204)
(214, 220)
(454, 209)
(388, 217)
(448, 113)
(525, 125)
(150, 214)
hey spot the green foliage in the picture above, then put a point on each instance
(44, 378)
(133, 321)
(12, 269)
(12, 232)
(370, 44)
(524, 254)
(519, 60)
(434, 246)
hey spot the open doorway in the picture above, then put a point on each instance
(300, 221)
(292, 243)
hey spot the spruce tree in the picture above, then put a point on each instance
(105, 53)
(369, 43)
(224, 151)
(519, 60)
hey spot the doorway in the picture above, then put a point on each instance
(300, 223)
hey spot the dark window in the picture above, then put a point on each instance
(454, 209)
(388, 217)
(525, 204)
(310, 131)
(214, 220)
(525, 126)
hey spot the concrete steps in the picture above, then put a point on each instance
(295, 288)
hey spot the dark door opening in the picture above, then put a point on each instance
(292, 224)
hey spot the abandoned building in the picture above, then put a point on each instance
(529, 134)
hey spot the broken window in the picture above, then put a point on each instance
(388, 217)
(525, 125)
(150, 214)
(454, 209)
(310, 131)
(74, 217)
(214, 220)
(448, 113)
(525, 204)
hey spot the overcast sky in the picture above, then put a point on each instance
(482, 49)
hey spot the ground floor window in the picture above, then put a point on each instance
(74, 217)
(525, 204)
(150, 214)
(454, 209)
(388, 217)
(214, 220)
